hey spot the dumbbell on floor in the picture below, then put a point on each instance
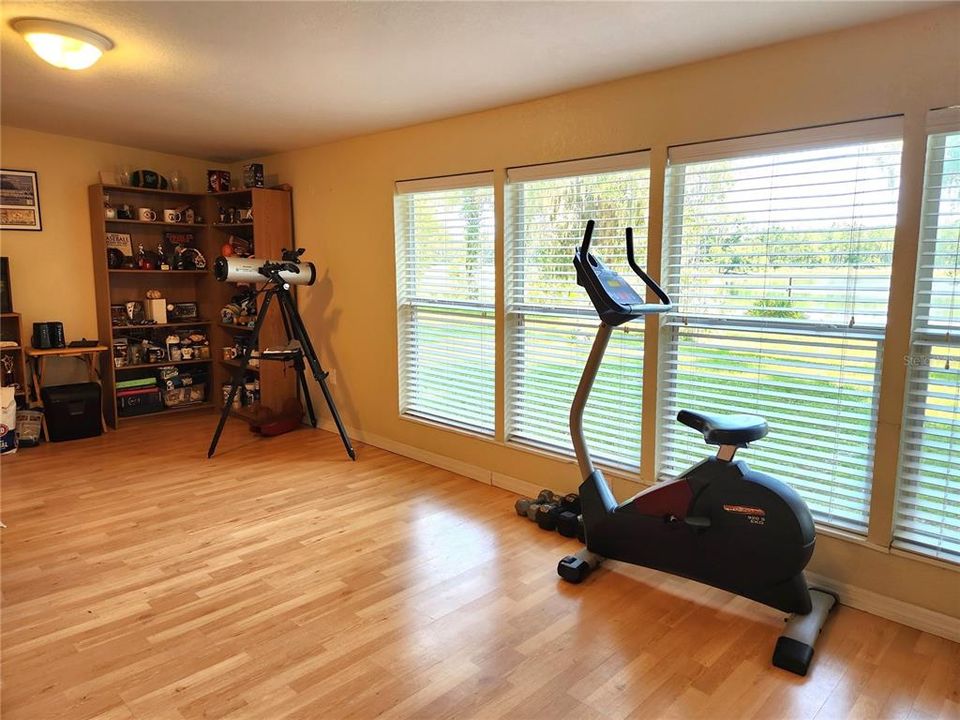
(571, 503)
(552, 512)
(528, 507)
(547, 516)
(548, 497)
(567, 523)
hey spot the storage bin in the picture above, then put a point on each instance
(72, 411)
(185, 395)
(139, 402)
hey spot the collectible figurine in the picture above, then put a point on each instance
(164, 263)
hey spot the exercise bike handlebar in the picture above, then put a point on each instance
(587, 237)
(616, 302)
(665, 305)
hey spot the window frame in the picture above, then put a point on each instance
(671, 326)
(408, 307)
(945, 121)
(578, 319)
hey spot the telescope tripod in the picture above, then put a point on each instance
(298, 348)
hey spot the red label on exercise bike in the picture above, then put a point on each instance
(744, 510)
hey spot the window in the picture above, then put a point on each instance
(928, 505)
(445, 300)
(550, 321)
(777, 253)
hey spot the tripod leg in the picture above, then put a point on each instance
(298, 365)
(336, 417)
(305, 389)
(238, 374)
(300, 333)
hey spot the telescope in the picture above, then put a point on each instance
(276, 277)
(289, 270)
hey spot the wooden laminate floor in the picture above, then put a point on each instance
(280, 580)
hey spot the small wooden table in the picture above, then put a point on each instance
(90, 355)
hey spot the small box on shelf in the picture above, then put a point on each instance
(156, 309)
(253, 175)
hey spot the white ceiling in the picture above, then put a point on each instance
(232, 80)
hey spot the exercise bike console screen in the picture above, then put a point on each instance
(614, 285)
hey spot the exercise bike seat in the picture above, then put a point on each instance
(725, 429)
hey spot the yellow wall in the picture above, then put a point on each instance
(51, 271)
(343, 194)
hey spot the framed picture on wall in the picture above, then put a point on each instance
(19, 200)
(6, 294)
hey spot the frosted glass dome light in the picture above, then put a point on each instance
(61, 44)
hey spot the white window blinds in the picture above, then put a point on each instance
(928, 505)
(777, 253)
(445, 300)
(550, 321)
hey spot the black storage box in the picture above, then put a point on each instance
(139, 401)
(72, 411)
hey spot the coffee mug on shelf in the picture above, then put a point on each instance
(173, 347)
(172, 216)
(147, 215)
(155, 354)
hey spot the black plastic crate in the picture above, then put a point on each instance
(72, 411)
(139, 402)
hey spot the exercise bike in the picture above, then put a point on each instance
(719, 522)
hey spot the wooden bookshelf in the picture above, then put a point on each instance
(11, 328)
(270, 231)
(129, 328)
(169, 273)
(236, 364)
(153, 223)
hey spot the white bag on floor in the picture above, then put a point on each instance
(8, 420)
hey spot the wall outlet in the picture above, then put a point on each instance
(332, 377)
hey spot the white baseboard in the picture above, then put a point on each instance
(904, 613)
(474, 472)
(515, 485)
(898, 611)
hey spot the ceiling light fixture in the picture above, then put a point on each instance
(62, 44)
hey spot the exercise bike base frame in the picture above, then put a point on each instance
(794, 649)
